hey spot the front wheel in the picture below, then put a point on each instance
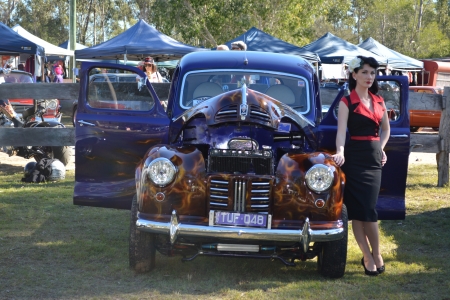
(142, 249)
(414, 128)
(332, 256)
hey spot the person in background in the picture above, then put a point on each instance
(151, 70)
(223, 47)
(238, 46)
(363, 112)
(58, 73)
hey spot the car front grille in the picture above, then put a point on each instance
(231, 113)
(257, 162)
(240, 193)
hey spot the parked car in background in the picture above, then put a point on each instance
(20, 105)
(425, 118)
(237, 169)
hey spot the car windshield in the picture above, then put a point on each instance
(199, 86)
(15, 78)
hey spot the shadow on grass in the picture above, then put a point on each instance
(6, 169)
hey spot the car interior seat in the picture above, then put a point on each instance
(207, 89)
(282, 93)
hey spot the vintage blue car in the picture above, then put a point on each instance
(238, 165)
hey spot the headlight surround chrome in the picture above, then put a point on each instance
(161, 171)
(319, 178)
(51, 104)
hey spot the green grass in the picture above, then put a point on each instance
(51, 249)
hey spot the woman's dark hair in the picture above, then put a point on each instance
(365, 61)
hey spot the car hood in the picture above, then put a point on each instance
(249, 106)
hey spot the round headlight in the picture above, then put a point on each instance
(51, 104)
(161, 171)
(319, 178)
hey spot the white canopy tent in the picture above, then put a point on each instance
(50, 49)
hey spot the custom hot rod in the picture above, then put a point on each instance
(238, 165)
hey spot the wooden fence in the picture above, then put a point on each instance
(67, 92)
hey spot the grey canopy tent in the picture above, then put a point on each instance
(65, 45)
(395, 60)
(14, 44)
(138, 41)
(332, 49)
(258, 40)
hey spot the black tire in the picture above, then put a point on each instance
(142, 249)
(62, 153)
(414, 128)
(332, 257)
(74, 115)
(435, 128)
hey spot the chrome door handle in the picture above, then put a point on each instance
(81, 122)
(399, 136)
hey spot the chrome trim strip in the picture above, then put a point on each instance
(220, 190)
(218, 197)
(219, 204)
(174, 228)
(260, 183)
(259, 113)
(260, 191)
(230, 111)
(219, 181)
(399, 136)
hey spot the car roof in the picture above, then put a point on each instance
(252, 60)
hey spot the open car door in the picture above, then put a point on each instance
(116, 123)
(394, 90)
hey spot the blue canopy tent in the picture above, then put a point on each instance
(13, 44)
(258, 40)
(395, 60)
(331, 49)
(137, 42)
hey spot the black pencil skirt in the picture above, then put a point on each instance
(362, 170)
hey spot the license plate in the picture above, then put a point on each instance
(240, 219)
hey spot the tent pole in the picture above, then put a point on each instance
(72, 39)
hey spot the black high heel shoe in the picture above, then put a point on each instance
(370, 273)
(380, 269)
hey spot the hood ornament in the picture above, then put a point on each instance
(243, 110)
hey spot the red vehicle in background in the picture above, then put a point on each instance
(425, 118)
(20, 105)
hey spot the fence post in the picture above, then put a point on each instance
(442, 158)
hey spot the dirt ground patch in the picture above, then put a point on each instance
(16, 164)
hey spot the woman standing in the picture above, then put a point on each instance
(151, 70)
(363, 113)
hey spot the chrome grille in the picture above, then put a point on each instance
(231, 113)
(218, 194)
(247, 194)
(240, 189)
(257, 162)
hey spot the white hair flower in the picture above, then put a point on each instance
(354, 63)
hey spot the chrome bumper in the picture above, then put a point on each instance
(304, 236)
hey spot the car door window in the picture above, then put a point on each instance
(390, 91)
(105, 92)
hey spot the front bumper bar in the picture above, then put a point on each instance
(304, 236)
